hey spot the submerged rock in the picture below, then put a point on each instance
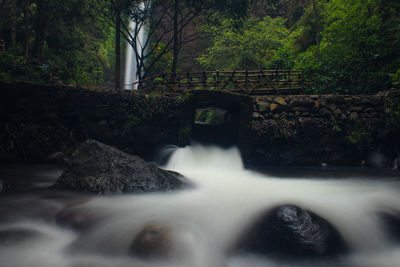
(78, 218)
(291, 231)
(4, 186)
(153, 241)
(391, 221)
(98, 168)
(17, 235)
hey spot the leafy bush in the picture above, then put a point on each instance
(250, 44)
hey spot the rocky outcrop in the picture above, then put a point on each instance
(291, 231)
(97, 168)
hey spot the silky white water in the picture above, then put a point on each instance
(205, 221)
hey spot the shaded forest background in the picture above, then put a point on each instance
(342, 46)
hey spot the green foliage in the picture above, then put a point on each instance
(357, 51)
(250, 45)
(74, 43)
(360, 134)
(17, 69)
(184, 96)
(396, 79)
(210, 117)
(162, 61)
(343, 46)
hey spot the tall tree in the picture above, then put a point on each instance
(13, 25)
(165, 22)
(176, 36)
(27, 18)
(40, 28)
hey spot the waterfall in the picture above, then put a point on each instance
(130, 59)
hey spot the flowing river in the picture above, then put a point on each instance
(204, 221)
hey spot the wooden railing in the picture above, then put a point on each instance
(248, 82)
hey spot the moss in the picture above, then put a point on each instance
(130, 124)
(336, 128)
(184, 96)
(185, 132)
(392, 112)
(361, 133)
(102, 126)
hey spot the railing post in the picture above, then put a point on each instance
(174, 80)
(188, 81)
(246, 80)
(204, 80)
(303, 87)
(163, 81)
(289, 81)
(217, 80)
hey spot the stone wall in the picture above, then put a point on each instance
(326, 129)
(36, 121)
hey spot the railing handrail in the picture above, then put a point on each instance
(218, 71)
(245, 81)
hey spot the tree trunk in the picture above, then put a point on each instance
(318, 24)
(118, 47)
(3, 9)
(13, 25)
(27, 16)
(176, 38)
(40, 31)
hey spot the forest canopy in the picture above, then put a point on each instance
(342, 46)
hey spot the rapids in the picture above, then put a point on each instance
(204, 220)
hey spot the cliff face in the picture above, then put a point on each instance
(37, 121)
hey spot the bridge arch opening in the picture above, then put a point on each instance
(214, 125)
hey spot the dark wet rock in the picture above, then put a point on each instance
(16, 209)
(391, 221)
(17, 235)
(291, 231)
(5, 186)
(57, 157)
(324, 112)
(153, 241)
(78, 218)
(98, 168)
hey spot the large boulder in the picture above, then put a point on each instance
(291, 231)
(98, 168)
